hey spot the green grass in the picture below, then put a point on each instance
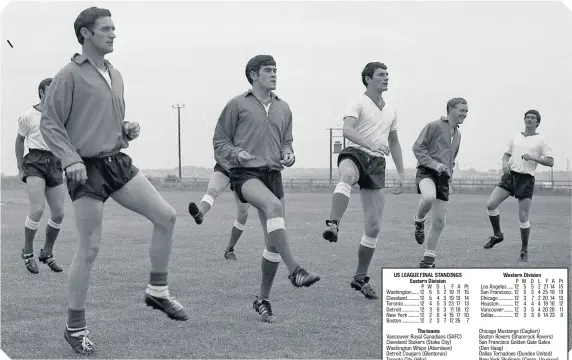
(327, 320)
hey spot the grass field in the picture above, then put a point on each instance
(328, 320)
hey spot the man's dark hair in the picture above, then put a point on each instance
(86, 19)
(256, 63)
(369, 70)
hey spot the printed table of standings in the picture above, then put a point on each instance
(475, 314)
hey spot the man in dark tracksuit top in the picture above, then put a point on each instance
(83, 124)
(254, 134)
(436, 149)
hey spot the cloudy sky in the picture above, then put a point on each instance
(504, 58)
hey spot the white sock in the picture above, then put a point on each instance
(158, 291)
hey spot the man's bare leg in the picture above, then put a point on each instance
(373, 201)
(140, 196)
(55, 197)
(88, 217)
(238, 227)
(36, 187)
(217, 183)
(428, 196)
(349, 176)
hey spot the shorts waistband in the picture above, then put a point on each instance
(262, 169)
(40, 151)
(101, 156)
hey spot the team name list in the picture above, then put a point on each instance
(480, 314)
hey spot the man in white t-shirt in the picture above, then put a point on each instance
(524, 152)
(370, 126)
(43, 175)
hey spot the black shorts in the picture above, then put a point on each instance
(371, 168)
(43, 164)
(441, 182)
(220, 169)
(271, 178)
(519, 185)
(105, 176)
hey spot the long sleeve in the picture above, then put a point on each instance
(224, 134)
(420, 147)
(454, 160)
(288, 138)
(55, 114)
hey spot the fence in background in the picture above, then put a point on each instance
(469, 186)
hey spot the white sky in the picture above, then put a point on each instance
(504, 58)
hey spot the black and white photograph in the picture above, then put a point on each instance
(286, 179)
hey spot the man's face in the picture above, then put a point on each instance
(460, 111)
(103, 35)
(379, 81)
(266, 77)
(43, 92)
(531, 121)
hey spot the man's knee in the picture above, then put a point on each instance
(428, 197)
(55, 221)
(213, 192)
(89, 253)
(491, 206)
(273, 209)
(372, 228)
(271, 255)
(167, 218)
(369, 241)
(439, 221)
(36, 210)
(523, 217)
(242, 217)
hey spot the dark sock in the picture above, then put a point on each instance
(158, 279)
(51, 236)
(29, 235)
(269, 270)
(495, 222)
(365, 254)
(524, 234)
(235, 234)
(76, 319)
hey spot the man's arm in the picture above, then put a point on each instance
(224, 134)
(420, 147)
(20, 138)
(352, 135)
(455, 157)
(19, 147)
(396, 153)
(546, 158)
(55, 114)
(287, 148)
(288, 138)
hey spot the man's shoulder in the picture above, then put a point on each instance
(29, 112)
(358, 99)
(67, 72)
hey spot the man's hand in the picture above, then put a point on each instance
(378, 147)
(441, 168)
(21, 174)
(288, 159)
(77, 173)
(505, 168)
(244, 156)
(399, 185)
(132, 130)
(529, 157)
